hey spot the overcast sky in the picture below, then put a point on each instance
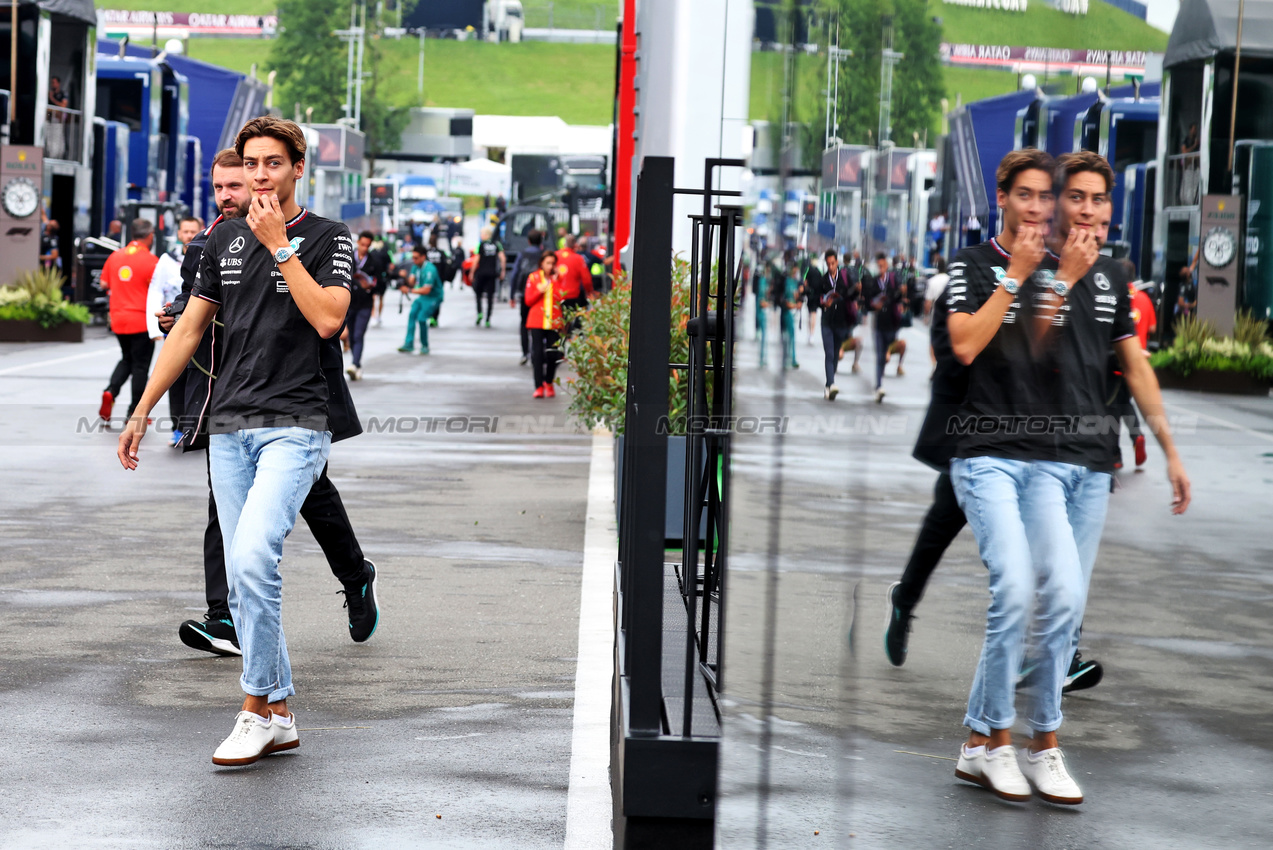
(1162, 13)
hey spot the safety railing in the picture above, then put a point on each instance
(63, 133)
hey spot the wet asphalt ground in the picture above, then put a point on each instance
(827, 745)
(460, 705)
(451, 727)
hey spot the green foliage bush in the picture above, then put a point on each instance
(598, 354)
(1197, 348)
(37, 297)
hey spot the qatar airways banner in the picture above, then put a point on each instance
(182, 24)
(1045, 58)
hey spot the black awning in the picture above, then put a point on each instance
(80, 10)
(1206, 27)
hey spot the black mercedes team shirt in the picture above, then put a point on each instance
(1096, 314)
(270, 374)
(1005, 411)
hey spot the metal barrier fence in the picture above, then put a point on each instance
(668, 616)
(63, 133)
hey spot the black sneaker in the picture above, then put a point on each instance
(364, 613)
(1082, 674)
(215, 634)
(897, 630)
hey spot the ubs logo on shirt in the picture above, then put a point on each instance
(237, 245)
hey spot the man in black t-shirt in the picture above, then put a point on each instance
(278, 282)
(488, 272)
(1030, 462)
(885, 296)
(527, 263)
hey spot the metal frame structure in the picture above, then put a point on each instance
(668, 651)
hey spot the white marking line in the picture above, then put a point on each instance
(81, 356)
(589, 805)
(1225, 422)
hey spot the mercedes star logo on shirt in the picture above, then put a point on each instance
(1102, 282)
(237, 245)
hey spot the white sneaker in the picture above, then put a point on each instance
(1046, 771)
(379, 323)
(352, 372)
(879, 396)
(826, 392)
(995, 770)
(832, 392)
(253, 737)
(286, 736)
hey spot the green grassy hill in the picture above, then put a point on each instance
(1103, 28)
(572, 81)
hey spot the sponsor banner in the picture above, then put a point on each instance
(184, 23)
(1039, 58)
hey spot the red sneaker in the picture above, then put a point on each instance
(1141, 454)
(548, 391)
(539, 391)
(108, 403)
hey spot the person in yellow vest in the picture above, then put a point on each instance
(545, 320)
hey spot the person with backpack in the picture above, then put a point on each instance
(487, 272)
(525, 265)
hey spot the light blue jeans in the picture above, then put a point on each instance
(260, 478)
(1038, 527)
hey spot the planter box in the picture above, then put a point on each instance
(674, 514)
(1233, 383)
(26, 330)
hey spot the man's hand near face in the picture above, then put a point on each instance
(1078, 255)
(265, 217)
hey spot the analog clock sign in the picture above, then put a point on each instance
(20, 197)
(1219, 247)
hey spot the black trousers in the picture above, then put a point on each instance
(136, 351)
(942, 524)
(525, 331)
(484, 287)
(543, 355)
(325, 515)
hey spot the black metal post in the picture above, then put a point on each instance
(645, 446)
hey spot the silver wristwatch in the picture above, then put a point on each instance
(1060, 287)
(282, 255)
(1011, 285)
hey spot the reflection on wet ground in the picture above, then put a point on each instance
(824, 736)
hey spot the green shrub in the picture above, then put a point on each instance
(1249, 330)
(37, 297)
(598, 354)
(1190, 330)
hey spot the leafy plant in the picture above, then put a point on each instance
(1249, 330)
(1216, 355)
(37, 297)
(1190, 330)
(598, 354)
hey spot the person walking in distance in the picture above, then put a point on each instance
(886, 297)
(545, 319)
(126, 276)
(837, 298)
(366, 273)
(488, 271)
(576, 279)
(442, 263)
(279, 283)
(523, 267)
(424, 283)
(323, 510)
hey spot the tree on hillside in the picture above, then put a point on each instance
(309, 60)
(918, 84)
(382, 123)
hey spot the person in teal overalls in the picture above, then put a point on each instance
(791, 297)
(424, 283)
(760, 286)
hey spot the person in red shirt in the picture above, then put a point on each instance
(126, 276)
(576, 280)
(544, 320)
